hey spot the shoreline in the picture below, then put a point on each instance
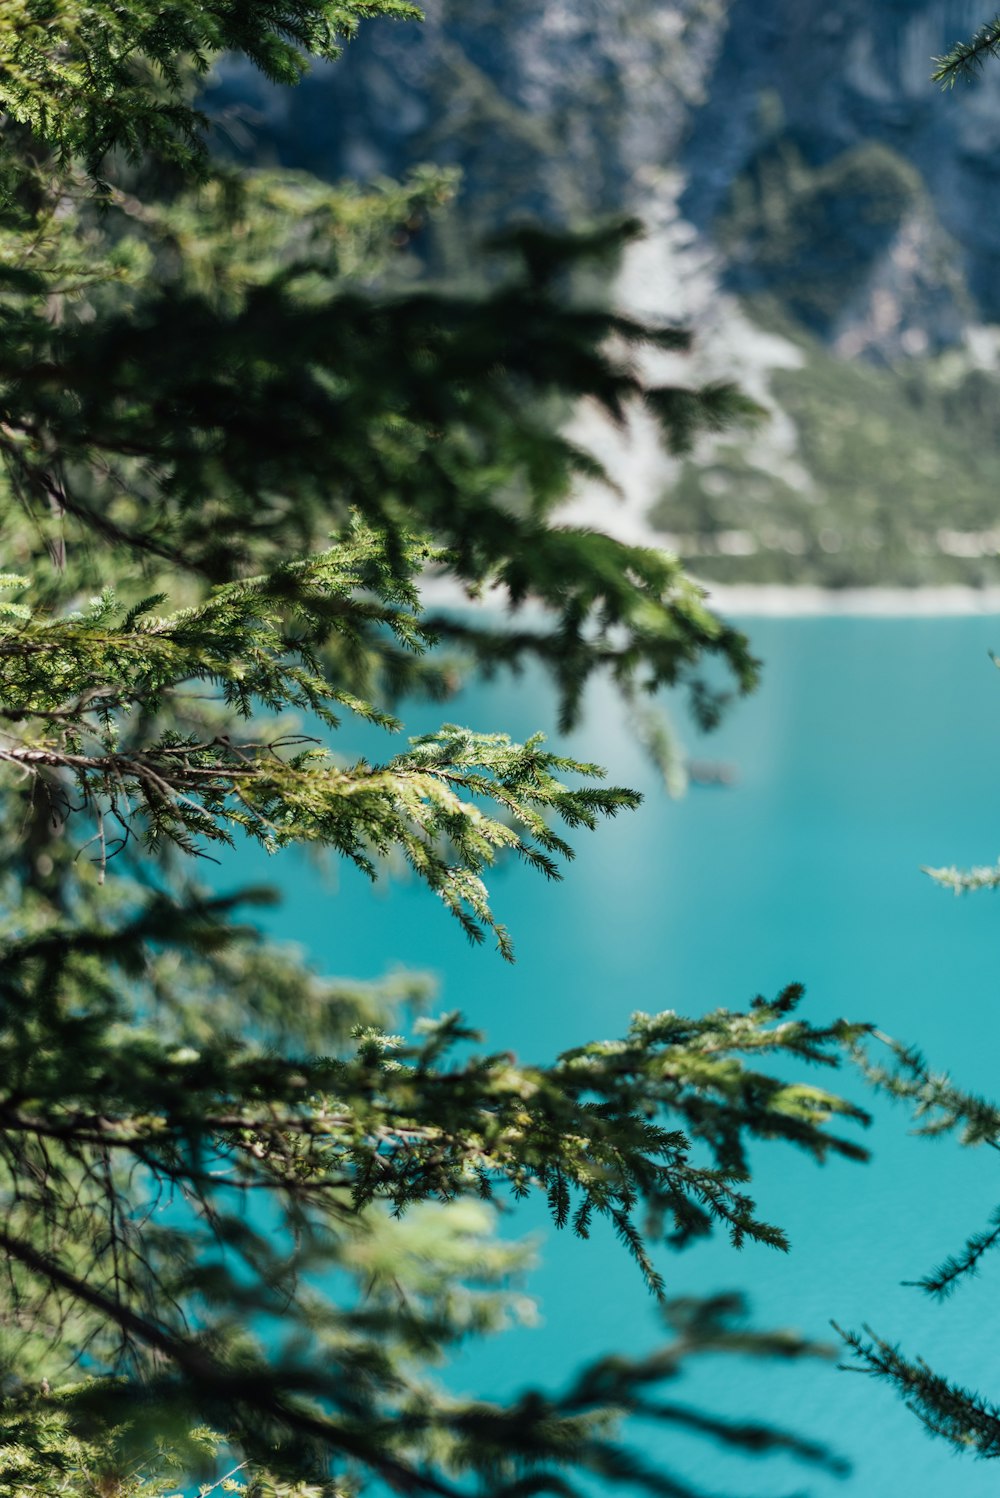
(779, 600)
(786, 600)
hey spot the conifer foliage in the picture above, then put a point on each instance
(239, 1215)
(967, 57)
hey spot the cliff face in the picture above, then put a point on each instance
(816, 154)
(892, 186)
(553, 110)
(825, 219)
(858, 74)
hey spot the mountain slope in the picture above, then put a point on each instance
(818, 212)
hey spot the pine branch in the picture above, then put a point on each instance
(939, 1107)
(86, 80)
(965, 1264)
(962, 881)
(938, 1104)
(966, 59)
(964, 1419)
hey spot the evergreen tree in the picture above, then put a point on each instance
(238, 431)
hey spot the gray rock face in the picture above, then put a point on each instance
(551, 110)
(817, 153)
(858, 77)
(795, 154)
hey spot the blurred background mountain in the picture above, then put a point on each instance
(823, 218)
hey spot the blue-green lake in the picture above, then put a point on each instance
(872, 748)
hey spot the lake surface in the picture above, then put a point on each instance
(872, 748)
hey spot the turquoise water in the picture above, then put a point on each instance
(871, 749)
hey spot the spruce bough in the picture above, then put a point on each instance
(238, 430)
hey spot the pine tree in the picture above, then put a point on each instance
(238, 430)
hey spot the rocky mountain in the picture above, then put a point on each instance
(551, 110)
(818, 211)
(836, 176)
